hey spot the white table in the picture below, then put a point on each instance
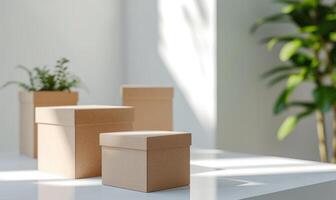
(214, 175)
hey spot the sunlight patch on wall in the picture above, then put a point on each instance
(187, 47)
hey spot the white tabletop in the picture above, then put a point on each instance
(214, 175)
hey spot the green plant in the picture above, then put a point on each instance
(309, 56)
(43, 79)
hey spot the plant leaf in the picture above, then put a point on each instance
(290, 123)
(289, 49)
(280, 17)
(281, 103)
(325, 97)
(287, 127)
(30, 75)
(278, 79)
(276, 70)
(20, 84)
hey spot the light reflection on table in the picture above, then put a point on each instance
(214, 175)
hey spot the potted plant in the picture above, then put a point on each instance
(45, 88)
(309, 56)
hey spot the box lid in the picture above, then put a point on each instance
(147, 92)
(146, 140)
(80, 115)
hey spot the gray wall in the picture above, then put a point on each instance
(245, 120)
(37, 32)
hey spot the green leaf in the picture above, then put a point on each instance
(281, 103)
(278, 79)
(30, 76)
(20, 84)
(286, 1)
(287, 127)
(288, 9)
(277, 70)
(289, 49)
(333, 77)
(333, 55)
(280, 17)
(309, 29)
(308, 105)
(272, 41)
(313, 3)
(332, 36)
(325, 97)
(290, 123)
(301, 59)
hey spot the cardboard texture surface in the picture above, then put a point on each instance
(69, 137)
(28, 102)
(146, 161)
(153, 106)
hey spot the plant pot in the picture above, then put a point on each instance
(28, 102)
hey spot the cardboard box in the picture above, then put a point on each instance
(28, 102)
(146, 161)
(68, 137)
(153, 106)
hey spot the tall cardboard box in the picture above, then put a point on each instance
(153, 106)
(146, 161)
(28, 102)
(68, 137)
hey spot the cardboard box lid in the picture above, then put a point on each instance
(146, 140)
(80, 115)
(147, 92)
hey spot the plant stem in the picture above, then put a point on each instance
(321, 133)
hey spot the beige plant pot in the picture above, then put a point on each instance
(28, 102)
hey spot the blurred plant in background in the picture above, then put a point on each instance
(43, 79)
(309, 56)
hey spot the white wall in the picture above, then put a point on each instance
(157, 42)
(245, 120)
(173, 43)
(37, 32)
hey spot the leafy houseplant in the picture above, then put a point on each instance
(42, 79)
(45, 88)
(309, 56)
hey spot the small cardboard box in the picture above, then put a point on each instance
(146, 161)
(68, 137)
(28, 102)
(153, 106)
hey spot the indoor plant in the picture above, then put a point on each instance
(309, 56)
(45, 88)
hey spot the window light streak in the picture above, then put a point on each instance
(252, 171)
(26, 175)
(247, 162)
(73, 183)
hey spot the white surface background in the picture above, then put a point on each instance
(38, 32)
(214, 175)
(159, 42)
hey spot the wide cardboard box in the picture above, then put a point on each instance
(146, 161)
(153, 106)
(68, 137)
(28, 102)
